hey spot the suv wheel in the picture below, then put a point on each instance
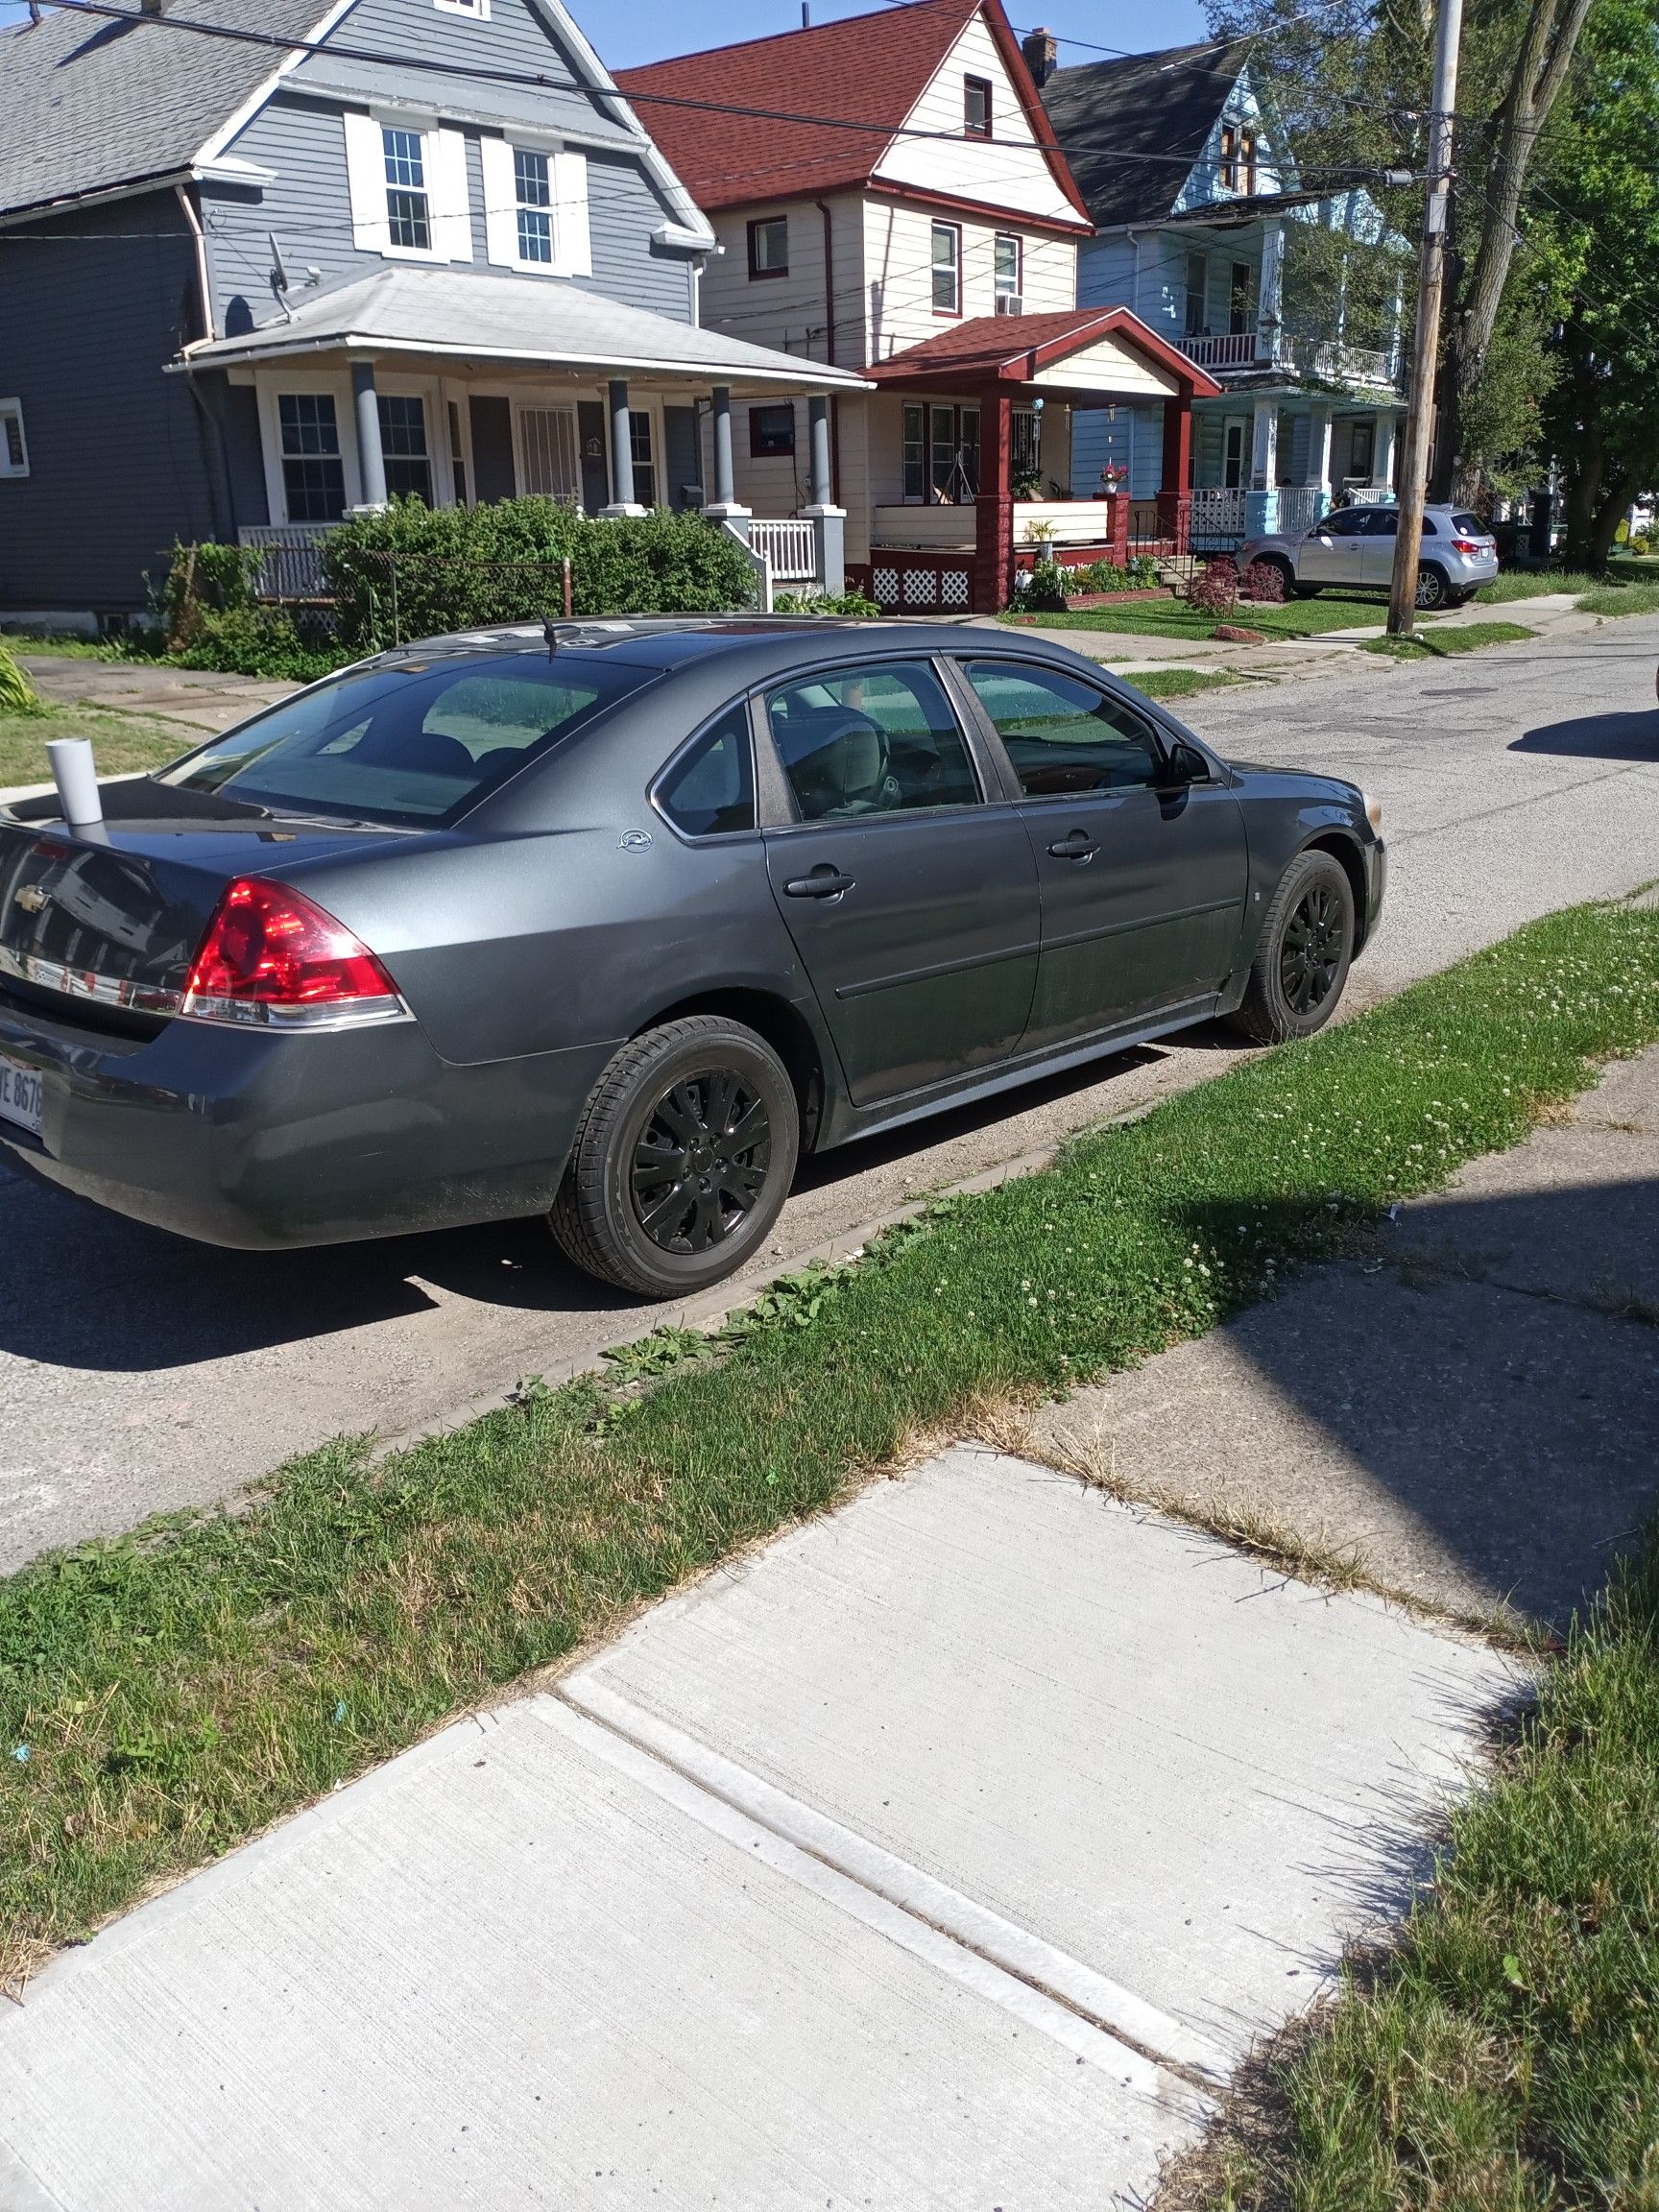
(1285, 572)
(1433, 588)
(683, 1158)
(1302, 960)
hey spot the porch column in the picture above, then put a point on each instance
(1174, 494)
(1383, 449)
(1263, 495)
(993, 508)
(370, 454)
(1319, 457)
(1269, 300)
(829, 521)
(723, 508)
(622, 500)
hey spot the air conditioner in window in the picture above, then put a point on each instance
(1010, 304)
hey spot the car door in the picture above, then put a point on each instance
(1377, 544)
(1143, 881)
(1329, 553)
(911, 898)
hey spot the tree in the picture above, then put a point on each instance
(1595, 231)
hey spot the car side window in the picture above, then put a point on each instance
(710, 790)
(876, 739)
(1385, 522)
(1347, 522)
(1062, 734)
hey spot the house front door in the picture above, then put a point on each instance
(1235, 452)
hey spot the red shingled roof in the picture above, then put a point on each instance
(1013, 348)
(867, 71)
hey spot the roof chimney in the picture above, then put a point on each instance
(1041, 54)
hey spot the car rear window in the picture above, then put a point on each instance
(1469, 526)
(418, 743)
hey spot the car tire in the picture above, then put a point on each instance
(1304, 952)
(1306, 591)
(1434, 592)
(1287, 574)
(650, 1202)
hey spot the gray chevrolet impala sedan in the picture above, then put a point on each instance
(611, 920)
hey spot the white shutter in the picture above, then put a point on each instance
(501, 202)
(451, 195)
(574, 251)
(365, 178)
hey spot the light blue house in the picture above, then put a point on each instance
(261, 267)
(1199, 218)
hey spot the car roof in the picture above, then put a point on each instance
(676, 641)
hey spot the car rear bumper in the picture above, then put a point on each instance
(260, 1141)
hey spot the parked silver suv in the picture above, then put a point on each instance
(1356, 546)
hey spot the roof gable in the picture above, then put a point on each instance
(1134, 130)
(874, 74)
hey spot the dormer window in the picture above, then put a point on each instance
(976, 107)
(478, 10)
(408, 216)
(1237, 167)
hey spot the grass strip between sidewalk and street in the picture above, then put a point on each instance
(1503, 2056)
(1448, 637)
(165, 1695)
(1179, 683)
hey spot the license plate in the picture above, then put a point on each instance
(20, 1094)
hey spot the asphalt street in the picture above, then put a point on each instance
(138, 1373)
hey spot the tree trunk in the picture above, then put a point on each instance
(1552, 28)
(1608, 515)
(1589, 463)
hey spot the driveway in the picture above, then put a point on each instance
(139, 1374)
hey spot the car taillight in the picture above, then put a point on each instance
(1467, 545)
(273, 959)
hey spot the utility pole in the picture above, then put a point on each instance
(1426, 344)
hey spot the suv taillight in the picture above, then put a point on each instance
(272, 959)
(1467, 545)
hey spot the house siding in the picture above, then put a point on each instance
(308, 206)
(120, 461)
(899, 271)
(1009, 169)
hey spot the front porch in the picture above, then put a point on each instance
(969, 453)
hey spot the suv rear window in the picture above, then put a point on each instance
(419, 743)
(1469, 526)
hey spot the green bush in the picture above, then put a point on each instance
(414, 571)
(18, 695)
(1043, 591)
(1143, 573)
(822, 603)
(254, 641)
(1101, 576)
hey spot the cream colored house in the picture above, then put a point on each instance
(928, 238)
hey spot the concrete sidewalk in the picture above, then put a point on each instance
(949, 1852)
(205, 701)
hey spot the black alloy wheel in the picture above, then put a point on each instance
(683, 1158)
(1302, 956)
(1313, 949)
(700, 1163)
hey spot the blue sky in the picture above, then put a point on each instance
(651, 28)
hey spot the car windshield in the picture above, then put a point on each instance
(417, 743)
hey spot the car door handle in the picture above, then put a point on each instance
(824, 882)
(1078, 846)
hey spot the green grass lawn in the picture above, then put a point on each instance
(130, 645)
(1502, 2058)
(165, 1695)
(1448, 637)
(121, 741)
(1337, 609)
(1180, 683)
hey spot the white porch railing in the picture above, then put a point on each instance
(1218, 513)
(1298, 506)
(1336, 363)
(789, 546)
(1225, 350)
(290, 569)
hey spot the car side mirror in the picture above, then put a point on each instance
(1185, 765)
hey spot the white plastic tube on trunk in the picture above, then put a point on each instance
(77, 780)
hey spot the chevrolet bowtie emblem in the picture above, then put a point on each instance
(31, 897)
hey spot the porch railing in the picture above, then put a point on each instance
(1299, 506)
(1334, 362)
(1219, 519)
(789, 546)
(291, 569)
(1222, 350)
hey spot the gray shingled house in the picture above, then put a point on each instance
(1199, 215)
(247, 285)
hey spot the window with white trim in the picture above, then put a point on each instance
(403, 446)
(534, 208)
(1009, 270)
(313, 468)
(13, 447)
(408, 212)
(948, 268)
(478, 10)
